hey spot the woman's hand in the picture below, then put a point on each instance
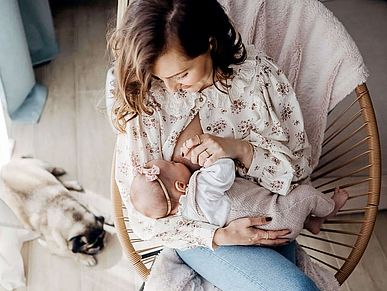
(244, 231)
(206, 149)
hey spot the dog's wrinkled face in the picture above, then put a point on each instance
(91, 240)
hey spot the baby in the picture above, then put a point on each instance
(213, 194)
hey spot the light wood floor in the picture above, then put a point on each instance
(75, 135)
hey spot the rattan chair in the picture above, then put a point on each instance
(350, 160)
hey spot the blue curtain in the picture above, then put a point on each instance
(39, 30)
(23, 98)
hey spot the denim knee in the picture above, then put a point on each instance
(252, 268)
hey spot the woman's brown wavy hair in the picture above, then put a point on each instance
(144, 34)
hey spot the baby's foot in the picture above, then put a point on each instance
(340, 197)
(313, 224)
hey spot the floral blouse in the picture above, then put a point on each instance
(260, 107)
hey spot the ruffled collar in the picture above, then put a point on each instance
(176, 103)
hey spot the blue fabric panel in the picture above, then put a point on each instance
(21, 96)
(32, 108)
(39, 30)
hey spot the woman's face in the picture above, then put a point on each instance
(177, 72)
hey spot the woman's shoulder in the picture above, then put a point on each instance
(257, 67)
(257, 62)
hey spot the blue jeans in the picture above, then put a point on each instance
(249, 268)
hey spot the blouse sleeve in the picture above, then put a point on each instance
(281, 149)
(174, 231)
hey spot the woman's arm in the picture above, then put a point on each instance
(282, 152)
(177, 232)
(276, 151)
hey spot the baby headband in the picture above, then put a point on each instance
(151, 174)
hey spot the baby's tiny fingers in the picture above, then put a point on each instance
(189, 144)
(193, 141)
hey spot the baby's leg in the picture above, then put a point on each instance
(313, 224)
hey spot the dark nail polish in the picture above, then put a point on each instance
(268, 218)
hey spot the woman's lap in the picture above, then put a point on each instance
(249, 268)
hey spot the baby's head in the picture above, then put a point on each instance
(157, 187)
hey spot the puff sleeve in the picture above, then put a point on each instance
(281, 148)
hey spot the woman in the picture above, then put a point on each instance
(185, 88)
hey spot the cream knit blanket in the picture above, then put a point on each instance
(322, 63)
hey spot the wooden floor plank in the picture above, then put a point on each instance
(51, 272)
(55, 134)
(381, 231)
(96, 143)
(370, 272)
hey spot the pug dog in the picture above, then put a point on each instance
(44, 204)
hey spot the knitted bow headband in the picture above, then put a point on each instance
(151, 174)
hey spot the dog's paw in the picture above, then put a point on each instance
(73, 185)
(87, 260)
